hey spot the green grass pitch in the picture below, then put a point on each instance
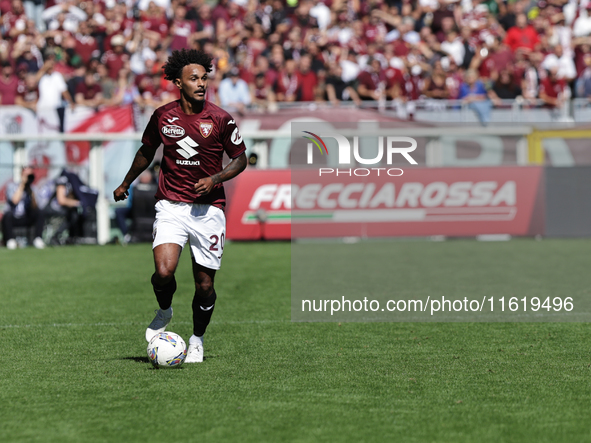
(73, 364)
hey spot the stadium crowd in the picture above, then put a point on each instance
(107, 52)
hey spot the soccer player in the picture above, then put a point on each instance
(195, 134)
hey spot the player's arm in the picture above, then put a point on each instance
(232, 169)
(143, 158)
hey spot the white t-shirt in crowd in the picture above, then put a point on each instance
(51, 87)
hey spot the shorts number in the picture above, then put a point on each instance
(216, 239)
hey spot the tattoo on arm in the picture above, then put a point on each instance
(235, 167)
(141, 161)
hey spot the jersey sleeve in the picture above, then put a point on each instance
(151, 135)
(231, 138)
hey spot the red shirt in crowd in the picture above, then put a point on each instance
(157, 24)
(8, 89)
(522, 38)
(89, 92)
(85, 46)
(182, 30)
(307, 84)
(552, 87)
(28, 95)
(370, 80)
(114, 62)
(393, 76)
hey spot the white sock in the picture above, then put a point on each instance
(194, 340)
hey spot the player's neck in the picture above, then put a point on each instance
(191, 107)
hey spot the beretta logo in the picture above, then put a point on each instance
(173, 131)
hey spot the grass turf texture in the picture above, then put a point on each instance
(73, 363)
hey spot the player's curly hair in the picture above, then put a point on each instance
(173, 67)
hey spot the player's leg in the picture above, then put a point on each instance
(207, 240)
(166, 259)
(203, 306)
(169, 238)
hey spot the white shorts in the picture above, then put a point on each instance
(203, 225)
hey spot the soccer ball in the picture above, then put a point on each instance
(167, 350)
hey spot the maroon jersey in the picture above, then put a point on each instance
(194, 146)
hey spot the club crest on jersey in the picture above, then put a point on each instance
(205, 129)
(173, 131)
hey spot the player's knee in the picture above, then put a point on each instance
(204, 288)
(163, 274)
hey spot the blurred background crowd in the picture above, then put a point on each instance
(106, 52)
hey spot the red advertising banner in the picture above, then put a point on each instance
(370, 203)
(259, 205)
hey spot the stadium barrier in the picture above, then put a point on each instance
(523, 145)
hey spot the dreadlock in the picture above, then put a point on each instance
(179, 59)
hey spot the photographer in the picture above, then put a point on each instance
(22, 210)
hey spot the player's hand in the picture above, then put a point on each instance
(204, 186)
(121, 193)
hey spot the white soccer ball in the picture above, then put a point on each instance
(167, 350)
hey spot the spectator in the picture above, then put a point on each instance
(553, 90)
(25, 58)
(522, 36)
(89, 92)
(115, 58)
(106, 83)
(321, 13)
(371, 82)
(287, 85)
(234, 93)
(504, 88)
(582, 24)
(28, 93)
(52, 93)
(8, 84)
(64, 16)
(583, 84)
(154, 21)
(350, 66)
(262, 95)
(307, 80)
(492, 58)
(126, 92)
(181, 30)
(257, 37)
(436, 85)
(565, 64)
(205, 29)
(337, 89)
(76, 78)
(75, 202)
(85, 45)
(34, 10)
(22, 210)
(15, 21)
(454, 47)
(473, 93)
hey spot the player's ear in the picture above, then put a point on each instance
(177, 82)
